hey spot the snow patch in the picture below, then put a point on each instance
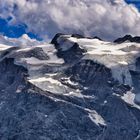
(4, 47)
(123, 62)
(130, 97)
(95, 117)
(49, 84)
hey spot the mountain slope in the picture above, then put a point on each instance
(73, 88)
(128, 38)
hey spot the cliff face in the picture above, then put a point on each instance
(75, 88)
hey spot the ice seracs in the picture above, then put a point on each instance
(120, 58)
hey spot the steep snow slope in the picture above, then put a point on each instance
(73, 88)
(120, 58)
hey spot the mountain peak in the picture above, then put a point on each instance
(128, 38)
(72, 77)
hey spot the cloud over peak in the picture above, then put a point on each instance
(108, 19)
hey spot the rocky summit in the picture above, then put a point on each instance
(74, 88)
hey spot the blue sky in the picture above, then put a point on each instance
(15, 31)
(136, 2)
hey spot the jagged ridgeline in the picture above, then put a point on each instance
(74, 88)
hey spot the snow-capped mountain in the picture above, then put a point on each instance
(128, 38)
(74, 88)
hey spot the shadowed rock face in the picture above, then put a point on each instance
(128, 38)
(45, 98)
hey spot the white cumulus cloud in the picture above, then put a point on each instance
(108, 19)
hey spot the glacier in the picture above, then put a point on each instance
(74, 87)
